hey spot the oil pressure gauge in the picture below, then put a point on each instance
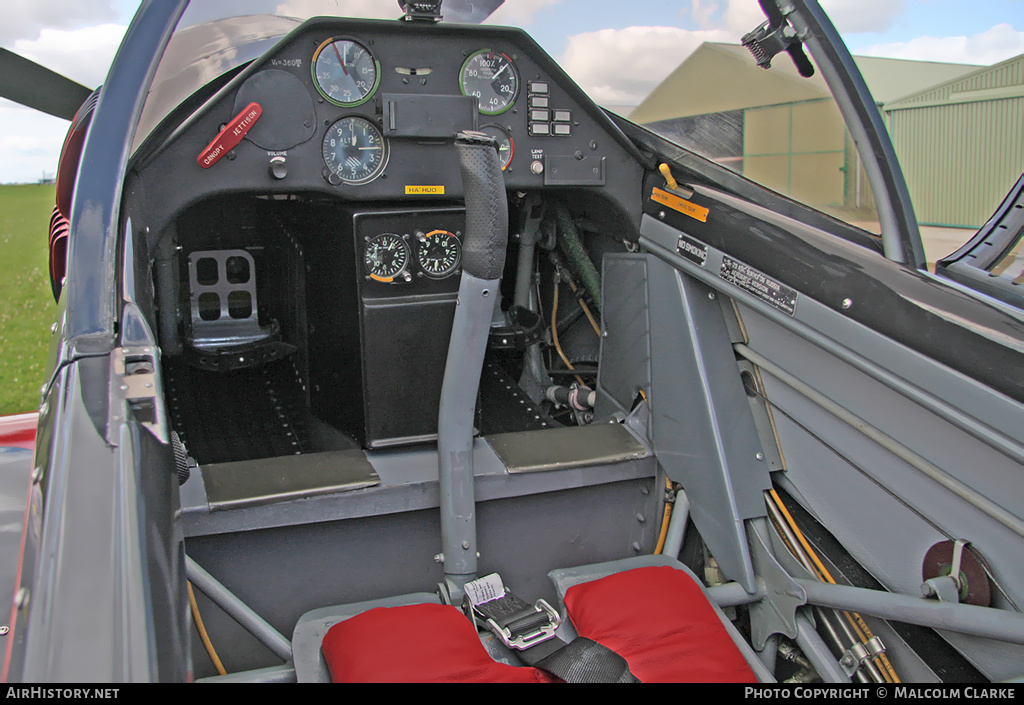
(439, 253)
(386, 257)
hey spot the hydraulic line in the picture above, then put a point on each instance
(554, 330)
(203, 636)
(666, 518)
(801, 548)
(569, 239)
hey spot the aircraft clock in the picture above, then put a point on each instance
(439, 253)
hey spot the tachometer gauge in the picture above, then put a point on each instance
(345, 72)
(386, 257)
(492, 78)
(355, 150)
(439, 253)
(506, 147)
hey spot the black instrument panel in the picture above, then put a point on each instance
(365, 110)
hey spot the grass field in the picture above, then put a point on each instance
(26, 303)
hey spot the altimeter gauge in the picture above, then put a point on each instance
(354, 150)
(386, 257)
(492, 78)
(439, 253)
(345, 72)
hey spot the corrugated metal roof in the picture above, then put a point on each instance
(1000, 80)
(720, 77)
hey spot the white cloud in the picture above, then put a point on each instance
(642, 58)
(518, 12)
(23, 19)
(345, 8)
(849, 16)
(83, 55)
(996, 44)
(30, 143)
(852, 16)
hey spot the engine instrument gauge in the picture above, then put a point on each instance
(386, 257)
(345, 72)
(439, 253)
(354, 150)
(492, 78)
(506, 147)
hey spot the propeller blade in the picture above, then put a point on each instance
(36, 86)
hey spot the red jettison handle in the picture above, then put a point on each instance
(230, 136)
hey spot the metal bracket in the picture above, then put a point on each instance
(421, 10)
(776, 613)
(134, 388)
(947, 587)
(773, 36)
(860, 653)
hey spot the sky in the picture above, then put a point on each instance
(616, 50)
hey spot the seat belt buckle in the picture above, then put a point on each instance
(517, 624)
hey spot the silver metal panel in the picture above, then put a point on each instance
(253, 482)
(563, 448)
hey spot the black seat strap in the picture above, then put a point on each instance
(529, 632)
(581, 660)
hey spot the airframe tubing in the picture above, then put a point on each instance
(985, 622)
(985, 505)
(817, 652)
(239, 611)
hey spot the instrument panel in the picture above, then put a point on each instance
(388, 257)
(366, 109)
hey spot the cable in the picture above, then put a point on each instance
(586, 309)
(856, 621)
(667, 517)
(554, 331)
(203, 636)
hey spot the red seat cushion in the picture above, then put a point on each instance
(660, 621)
(423, 643)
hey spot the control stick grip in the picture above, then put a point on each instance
(483, 245)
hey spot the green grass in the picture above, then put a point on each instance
(27, 308)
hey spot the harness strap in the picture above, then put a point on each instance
(581, 660)
(529, 631)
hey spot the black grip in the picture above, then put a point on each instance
(483, 245)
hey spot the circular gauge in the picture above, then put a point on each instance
(492, 78)
(386, 256)
(439, 253)
(506, 147)
(355, 150)
(345, 72)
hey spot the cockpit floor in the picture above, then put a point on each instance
(245, 414)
